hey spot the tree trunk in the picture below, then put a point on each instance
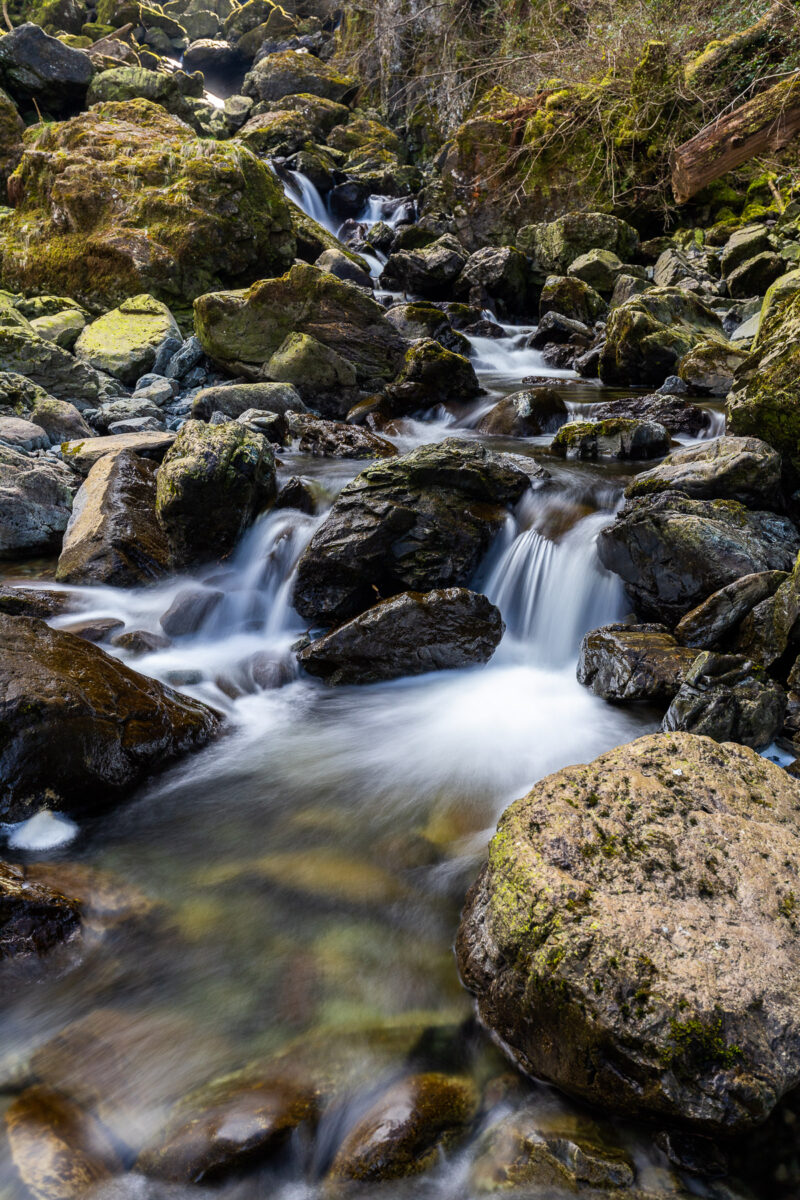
(765, 124)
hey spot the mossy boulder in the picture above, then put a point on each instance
(431, 375)
(125, 199)
(614, 437)
(79, 728)
(430, 271)
(627, 663)
(169, 89)
(556, 244)
(12, 128)
(599, 268)
(123, 343)
(213, 483)
(241, 330)
(252, 15)
(765, 398)
(647, 336)
(424, 320)
(37, 67)
(60, 16)
(632, 935)
(309, 366)
(502, 276)
(571, 297)
(24, 353)
(784, 288)
(527, 413)
(710, 366)
(727, 468)
(290, 72)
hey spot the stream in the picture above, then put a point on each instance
(308, 869)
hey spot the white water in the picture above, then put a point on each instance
(509, 356)
(308, 197)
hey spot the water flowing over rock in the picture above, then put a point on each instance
(33, 916)
(684, 1004)
(415, 523)
(99, 727)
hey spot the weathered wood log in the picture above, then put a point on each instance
(765, 124)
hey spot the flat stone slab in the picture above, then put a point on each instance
(84, 454)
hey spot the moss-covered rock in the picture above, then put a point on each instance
(632, 935)
(423, 320)
(23, 352)
(648, 335)
(169, 89)
(727, 468)
(123, 343)
(290, 72)
(528, 413)
(709, 367)
(430, 271)
(572, 298)
(125, 199)
(613, 437)
(212, 484)
(431, 375)
(556, 244)
(12, 128)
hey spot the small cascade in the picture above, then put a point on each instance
(299, 188)
(509, 355)
(392, 210)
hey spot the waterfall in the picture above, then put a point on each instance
(306, 195)
(509, 356)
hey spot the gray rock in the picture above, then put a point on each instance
(726, 697)
(727, 468)
(36, 502)
(32, 64)
(716, 617)
(627, 663)
(614, 437)
(189, 611)
(233, 399)
(22, 435)
(184, 359)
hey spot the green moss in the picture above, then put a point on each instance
(699, 1044)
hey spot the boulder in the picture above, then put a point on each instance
(310, 366)
(673, 412)
(414, 523)
(34, 66)
(20, 434)
(431, 375)
(190, 610)
(572, 298)
(142, 205)
(80, 729)
(625, 663)
(528, 413)
(727, 468)
(410, 634)
(431, 271)
(59, 1149)
(647, 336)
(54, 370)
(12, 128)
(672, 551)
(716, 617)
(242, 330)
(291, 72)
(600, 269)
(335, 439)
(773, 624)
(83, 454)
(60, 420)
(556, 244)
(213, 483)
(233, 399)
(709, 367)
(615, 437)
(755, 275)
(35, 917)
(743, 244)
(556, 329)
(424, 320)
(727, 698)
(113, 537)
(632, 937)
(338, 264)
(169, 89)
(499, 274)
(36, 500)
(123, 343)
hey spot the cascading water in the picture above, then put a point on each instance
(306, 195)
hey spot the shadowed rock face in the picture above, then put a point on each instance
(34, 917)
(77, 728)
(414, 523)
(408, 635)
(684, 1004)
(729, 468)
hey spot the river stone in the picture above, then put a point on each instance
(83, 454)
(94, 629)
(60, 420)
(716, 617)
(673, 412)
(408, 635)
(772, 625)
(310, 366)
(335, 439)
(226, 1125)
(727, 468)
(633, 662)
(632, 937)
(423, 320)
(140, 641)
(99, 727)
(113, 537)
(430, 271)
(23, 435)
(34, 65)
(727, 698)
(615, 437)
(16, 601)
(431, 375)
(405, 1129)
(295, 72)
(648, 335)
(242, 330)
(599, 268)
(710, 366)
(528, 413)
(554, 329)
(571, 298)
(60, 1151)
(339, 264)
(36, 499)
(414, 523)
(555, 244)
(123, 343)
(35, 916)
(56, 371)
(213, 483)
(500, 274)
(190, 609)
(672, 551)
(755, 275)
(63, 328)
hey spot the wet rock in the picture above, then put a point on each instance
(624, 663)
(672, 552)
(105, 901)
(140, 641)
(271, 425)
(647, 336)
(242, 330)
(59, 1150)
(716, 617)
(292, 72)
(554, 329)
(674, 413)
(773, 624)
(97, 630)
(335, 439)
(331, 878)
(113, 536)
(189, 611)
(728, 468)
(296, 493)
(226, 1125)
(431, 375)
(34, 66)
(100, 728)
(123, 343)
(233, 399)
(402, 1133)
(34, 916)
(572, 298)
(408, 635)
(213, 483)
(499, 274)
(414, 523)
(630, 937)
(528, 413)
(614, 437)
(36, 500)
(29, 602)
(555, 244)
(709, 367)
(726, 697)
(423, 320)
(343, 268)
(84, 453)
(430, 271)
(755, 275)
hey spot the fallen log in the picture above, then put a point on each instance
(765, 124)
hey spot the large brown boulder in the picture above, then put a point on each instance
(79, 729)
(633, 935)
(625, 663)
